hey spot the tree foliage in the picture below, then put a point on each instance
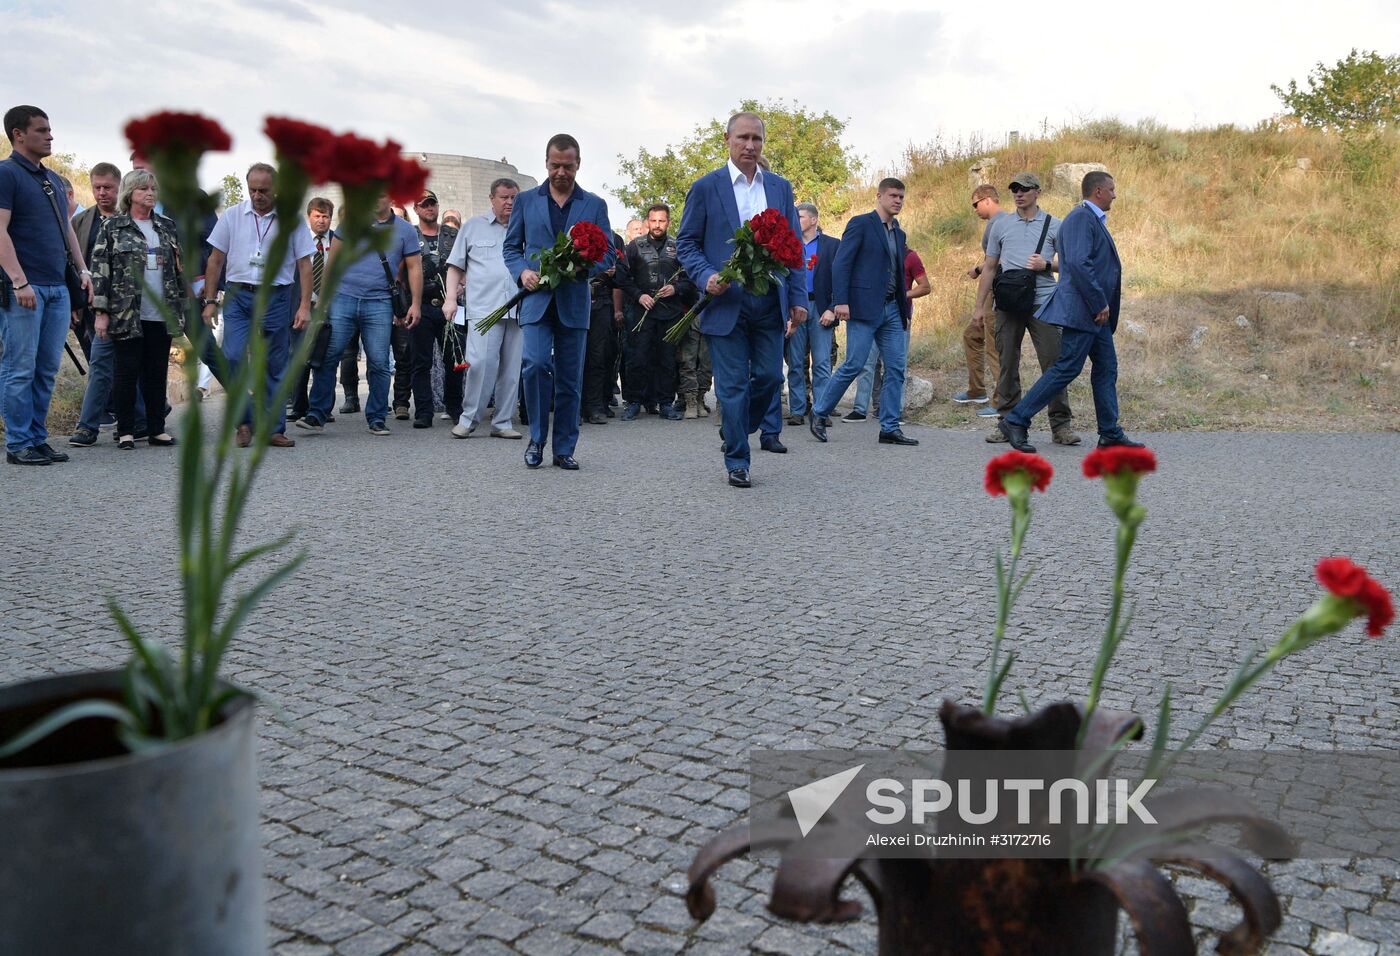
(801, 146)
(1361, 92)
(231, 191)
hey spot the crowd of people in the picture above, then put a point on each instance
(582, 353)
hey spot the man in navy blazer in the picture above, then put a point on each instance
(553, 322)
(745, 332)
(1085, 303)
(813, 336)
(868, 289)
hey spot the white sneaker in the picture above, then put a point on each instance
(505, 433)
(462, 431)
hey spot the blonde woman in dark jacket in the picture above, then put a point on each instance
(137, 252)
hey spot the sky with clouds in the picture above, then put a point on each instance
(496, 80)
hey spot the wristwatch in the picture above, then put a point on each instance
(205, 303)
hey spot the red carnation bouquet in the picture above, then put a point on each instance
(765, 250)
(570, 259)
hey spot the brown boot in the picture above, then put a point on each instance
(244, 436)
(279, 440)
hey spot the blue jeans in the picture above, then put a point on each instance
(276, 330)
(748, 370)
(102, 372)
(1075, 347)
(862, 338)
(33, 348)
(865, 383)
(811, 336)
(373, 319)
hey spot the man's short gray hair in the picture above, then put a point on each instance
(503, 181)
(268, 168)
(131, 182)
(729, 127)
(808, 207)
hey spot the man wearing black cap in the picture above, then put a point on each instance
(437, 243)
(1018, 272)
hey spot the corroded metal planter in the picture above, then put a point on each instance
(112, 852)
(963, 907)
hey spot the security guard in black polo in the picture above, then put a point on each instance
(437, 245)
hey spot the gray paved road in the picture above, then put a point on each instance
(522, 700)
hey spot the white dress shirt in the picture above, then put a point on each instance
(751, 197)
(245, 238)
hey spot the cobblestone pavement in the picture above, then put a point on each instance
(520, 701)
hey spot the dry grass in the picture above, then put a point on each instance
(1205, 220)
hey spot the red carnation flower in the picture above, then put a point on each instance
(301, 143)
(1116, 458)
(407, 178)
(355, 161)
(1345, 578)
(1037, 467)
(169, 130)
(812, 262)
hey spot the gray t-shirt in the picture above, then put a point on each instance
(988, 230)
(1012, 241)
(154, 274)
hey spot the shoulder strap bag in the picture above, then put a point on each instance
(1014, 289)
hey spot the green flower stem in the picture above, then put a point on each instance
(1121, 495)
(1018, 492)
(1327, 616)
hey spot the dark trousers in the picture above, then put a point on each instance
(597, 367)
(429, 330)
(145, 360)
(403, 367)
(652, 376)
(1075, 348)
(350, 370)
(1011, 329)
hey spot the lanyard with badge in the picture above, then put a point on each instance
(262, 225)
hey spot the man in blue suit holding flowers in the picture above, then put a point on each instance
(745, 332)
(553, 322)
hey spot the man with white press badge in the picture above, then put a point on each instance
(241, 242)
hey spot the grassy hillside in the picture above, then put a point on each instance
(1205, 220)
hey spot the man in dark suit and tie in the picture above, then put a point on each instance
(1085, 303)
(870, 297)
(745, 332)
(554, 323)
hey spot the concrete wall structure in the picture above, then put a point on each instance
(461, 182)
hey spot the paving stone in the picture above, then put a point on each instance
(477, 747)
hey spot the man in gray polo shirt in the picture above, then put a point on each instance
(494, 358)
(1011, 243)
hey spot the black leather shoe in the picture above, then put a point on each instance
(815, 426)
(896, 437)
(27, 456)
(739, 478)
(566, 462)
(773, 445)
(1017, 436)
(422, 423)
(49, 452)
(534, 455)
(1123, 441)
(596, 417)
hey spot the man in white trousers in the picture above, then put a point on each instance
(476, 261)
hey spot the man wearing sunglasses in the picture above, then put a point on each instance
(1021, 248)
(979, 342)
